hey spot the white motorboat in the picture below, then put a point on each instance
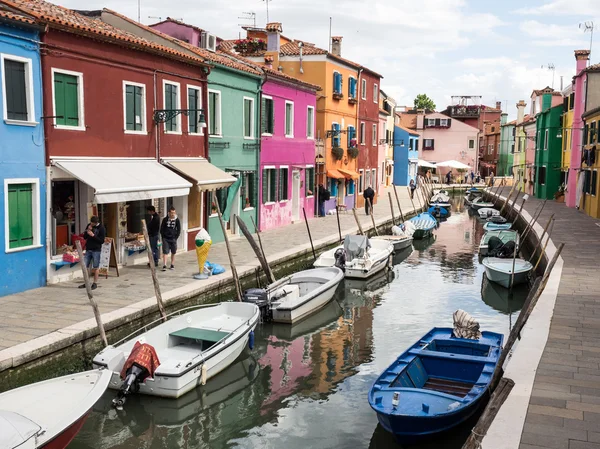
(295, 297)
(192, 346)
(398, 241)
(480, 203)
(488, 212)
(504, 235)
(359, 257)
(500, 270)
(49, 414)
(440, 198)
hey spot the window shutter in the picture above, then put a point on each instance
(20, 197)
(16, 92)
(275, 185)
(71, 101)
(130, 107)
(59, 99)
(437, 122)
(139, 110)
(264, 123)
(449, 122)
(337, 82)
(265, 185)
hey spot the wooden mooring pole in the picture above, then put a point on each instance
(544, 248)
(360, 229)
(398, 201)
(507, 202)
(262, 250)
(337, 214)
(411, 201)
(309, 234)
(392, 208)
(534, 218)
(159, 301)
(372, 217)
(88, 289)
(236, 279)
(541, 237)
(257, 251)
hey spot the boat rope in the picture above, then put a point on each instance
(478, 438)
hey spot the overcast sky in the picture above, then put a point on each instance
(495, 49)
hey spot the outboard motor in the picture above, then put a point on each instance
(260, 297)
(489, 213)
(507, 250)
(134, 376)
(340, 259)
(494, 245)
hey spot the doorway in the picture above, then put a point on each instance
(296, 195)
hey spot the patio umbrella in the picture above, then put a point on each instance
(453, 164)
(425, 164)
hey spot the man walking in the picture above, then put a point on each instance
(369, 195)
(170, 230)
(323, 196)
(412, 188)
(94, 236)
(153, 232)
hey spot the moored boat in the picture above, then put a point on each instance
(435, 384)
(488, 212)
(296, 296)
(438, 211)
(177, 355)
(500, 270)
(398, 241)
(491, 226)
(480, 203)
(424, 224)
(49, 414)
(504, 235)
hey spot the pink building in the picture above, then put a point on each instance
(529, 127)
(287, 156)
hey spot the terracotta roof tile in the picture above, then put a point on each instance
(582, 52)
(16, 17)
(547, 90)
(592, 68)
(274, 26)
(71, 21)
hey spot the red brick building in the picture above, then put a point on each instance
(489, 149)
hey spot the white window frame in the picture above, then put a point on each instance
(363, 89)
(266, 184)
(310, 126)
(143, 86)
(349, 84)
(80, 100)
(362, 130)
(375, 93)
(306, 167)
(178, 106)
(252, 118)
(443, 122)
(268, 97)
(187, 96)
(361, 180)
(28, 88)
(220, 127)
(35, 214)
(374, 183)
(278, 174)
(374, 134)
(289, 136)
(546, 135)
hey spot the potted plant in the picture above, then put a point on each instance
(247, 203)
(353, 152)
(337, 153)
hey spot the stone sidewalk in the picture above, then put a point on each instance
(564, 407)
(32, 321)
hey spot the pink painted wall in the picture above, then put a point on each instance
(381, 151)
(529, 173)
(296, 153)
(184, 33)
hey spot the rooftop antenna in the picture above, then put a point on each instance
(249, 15)
(550, 66)
(588, 26)
(160, 18)
(330, 34)
(267, 3)
(139, 9)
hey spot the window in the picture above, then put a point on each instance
(490, 148)
(512, 148)
(194, 103)
(361, 180)
(248, 189)
(135, 107)
(21, 209)
(542, 175)
(565, 139)
(350, 187)
(428, 144)
(268, 116)
(375, 93)
(374, 135)
(430, 122)
(416, 144)
(310, 122)
(363, 89)
(269, 186)
(172, 100)
(593, 136)
(571, 101)
(68, 99)
(333, 187)
(17, 89)
(410, 144)
(337, 83)
(351, 136)
(471, 144)
(336, 138)
(214, 113)
(283, 184)
(546, 139)
(309, 182)
(374, 179)
(594, 182)
(248, 118)
(352, 88)
(444, 122)
(493, 128)
(539, 141)
(289, 119)
(362, 133)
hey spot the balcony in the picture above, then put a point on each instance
(338, 96)
(470, 111)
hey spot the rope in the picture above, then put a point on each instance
(477, 437)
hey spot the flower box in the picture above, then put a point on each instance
(352, 100)
(337, 153)
(338, 95)
(353, 152)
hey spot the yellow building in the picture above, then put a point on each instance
(591, 163)
(567, 132)
(387, 107)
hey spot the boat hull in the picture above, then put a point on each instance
(398, 242)
(291, 316)
(421, 234)
(504, 279)
(359, 273)
(62, 441)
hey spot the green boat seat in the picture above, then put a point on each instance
(195, 333)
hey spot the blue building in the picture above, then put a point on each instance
(406, 155)
(22, 157)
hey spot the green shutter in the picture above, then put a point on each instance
(138, 109)
(130, 108)
(20, 215)
(59, 99)
(16, 91)
(271, 117)
(263, 116)
(273, 184)
(247, 118)
(171, 103)
(66, 99)
(194, 117)
(265, 184)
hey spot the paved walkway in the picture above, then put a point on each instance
(564, 407)
(32, 321)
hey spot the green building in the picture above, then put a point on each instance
(507, 147)
(548, 149)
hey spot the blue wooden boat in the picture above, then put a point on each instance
(436, 384)
(438, 211)
(424, 224)
(490, 226)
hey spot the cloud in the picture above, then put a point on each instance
(563, 7)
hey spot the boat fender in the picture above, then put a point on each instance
(453, 406)
(203, 375)
(395, 399)
(425, 407)
(251, 340)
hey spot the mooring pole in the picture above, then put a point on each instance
(398, 201)
(309, 235)
(236, 279)
(337, 214)
(360, 229)
(257, 251)
(371, 214)
(157, 292)
(392, 209)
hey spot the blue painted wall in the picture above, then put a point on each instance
(413, 156)
(22, 155)
(401, 142)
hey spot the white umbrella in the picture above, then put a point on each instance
(453, 164)
(425, 164)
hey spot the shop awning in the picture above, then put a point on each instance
(334, 174)
(204, 174)
(426, 164)
(349, 173)
(117, 180)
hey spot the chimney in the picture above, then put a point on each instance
(336, 45)
(269, 61)
(499, 105)
(582, 57)
(503, 118)
(520, 111)
(274, 29)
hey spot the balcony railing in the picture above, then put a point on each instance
(465, 111)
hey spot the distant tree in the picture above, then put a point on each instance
(422, 101)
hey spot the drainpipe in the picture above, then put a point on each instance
(259, 174)
(205, 197)
(357, 127)
(157, 125)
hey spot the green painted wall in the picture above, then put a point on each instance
(233, 87)
(550, 158)
(505, 157)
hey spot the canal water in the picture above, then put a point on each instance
(305, 386)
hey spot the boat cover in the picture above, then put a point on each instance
(465, 326)
(356, 246)
(15, 429)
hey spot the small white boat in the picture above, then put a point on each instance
(297, 296)
(399, 241)
(504, 235)
(479, 203)
(487, 212)
(440, 198)
(359, 257)
(500, 270)
(192, 346)
(49, 414)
